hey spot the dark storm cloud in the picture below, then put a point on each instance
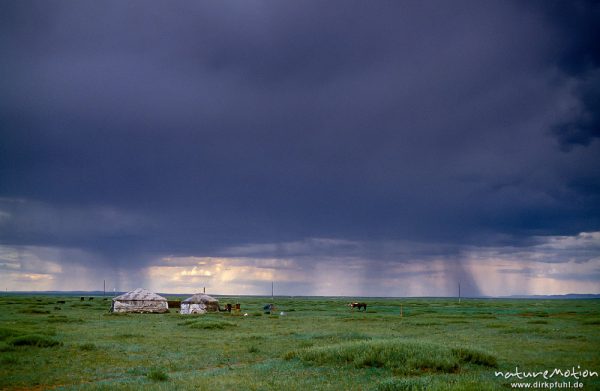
(141, 128)
(578, 55)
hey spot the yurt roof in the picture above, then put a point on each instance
(140, 294)
(199, 298)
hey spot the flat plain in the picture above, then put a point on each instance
(308, 343)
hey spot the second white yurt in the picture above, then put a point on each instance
(199, 304)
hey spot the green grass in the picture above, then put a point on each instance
(594, 322)
(320, 344)
(209, 324)
(433, 383)
(36, 340)
(537, 322)
(87, 346)
(8, 332)
(401, 356)
(34, 311)
(9, 359)
(476, 357)
(62, 319)
(156, 374)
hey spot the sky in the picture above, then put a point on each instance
(387, 148)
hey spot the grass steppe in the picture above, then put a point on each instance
(319, 344)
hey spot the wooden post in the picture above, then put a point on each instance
(401, 311)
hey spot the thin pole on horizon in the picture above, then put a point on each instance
(272, 295)
(104, 294)
(459, 292)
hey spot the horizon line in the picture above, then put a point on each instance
(515, 296)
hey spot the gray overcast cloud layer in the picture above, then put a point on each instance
(133, 130)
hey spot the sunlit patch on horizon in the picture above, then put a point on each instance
(223, 275)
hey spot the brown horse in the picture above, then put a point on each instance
(358, 305)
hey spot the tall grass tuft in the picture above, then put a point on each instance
(36, 340)
(87, 347)
(127, 336)
(9, 360)
(540, 321)
(7, 333)
(35, 311)
(591, 322)
(63, 319)
(475, 357)
(210, 324)
(157, 374)
(4, 347)
(187, 322)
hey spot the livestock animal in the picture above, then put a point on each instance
(358, 305)
(268, 308)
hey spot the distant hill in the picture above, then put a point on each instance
(567, 296)
(62, 293)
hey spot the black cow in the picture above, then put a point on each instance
(358, 305)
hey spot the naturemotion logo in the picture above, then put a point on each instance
(548, 374)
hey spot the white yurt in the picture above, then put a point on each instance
(199, 304)
(139, 300)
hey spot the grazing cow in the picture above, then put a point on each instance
(358, 305)
(268, 308)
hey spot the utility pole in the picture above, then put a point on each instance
(272, 296)
(459, 292)
(104, 294)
